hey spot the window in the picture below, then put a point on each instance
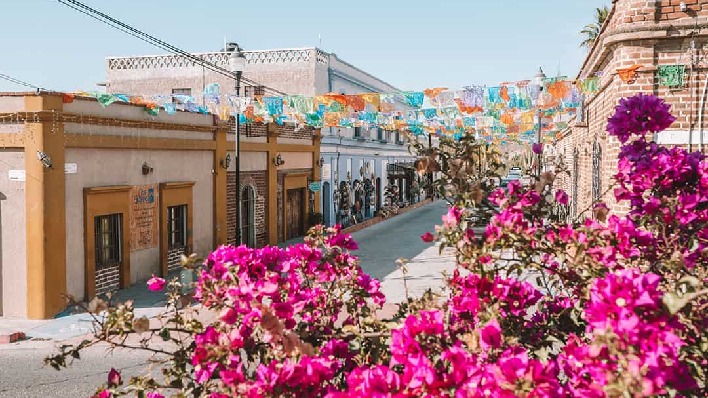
(177, 226)
(248, 218)
(253, 91)
(108, 244)
(180, 91)
(357, 132)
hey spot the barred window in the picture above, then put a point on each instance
(107, 240)
(177, 226)
(248, 217)
(253, 91)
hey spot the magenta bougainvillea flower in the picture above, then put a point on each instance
(537, 148)
(156, 284)
(639, 115)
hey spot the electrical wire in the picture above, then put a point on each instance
(20, 82)
(125, 28)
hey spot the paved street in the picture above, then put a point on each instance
(22, 373)
(382, 244)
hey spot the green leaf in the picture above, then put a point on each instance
(165, 334)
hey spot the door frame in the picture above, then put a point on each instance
(101, 201)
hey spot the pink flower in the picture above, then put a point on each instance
(103, 394)
(490, 335)
(561, 197)
(156, 284)
(452, 218)
(537, 148)
(114, 378)
(427, 237)
(639, 115)
(153, 394)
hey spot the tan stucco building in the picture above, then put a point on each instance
(93, 199)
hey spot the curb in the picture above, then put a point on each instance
(379, 219)
(11, 338)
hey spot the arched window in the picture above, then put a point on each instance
(596, 162)
(576, 172)
(248, 216)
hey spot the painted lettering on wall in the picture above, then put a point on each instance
(144, 217)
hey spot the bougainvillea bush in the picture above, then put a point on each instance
(606, 306)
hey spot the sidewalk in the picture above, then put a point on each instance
(425, 271)
(68, 324)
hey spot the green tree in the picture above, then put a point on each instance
(592, 30)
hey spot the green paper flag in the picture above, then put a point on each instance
(671, 75)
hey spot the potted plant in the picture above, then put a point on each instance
(316, 218)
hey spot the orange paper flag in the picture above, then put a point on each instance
(433, 92)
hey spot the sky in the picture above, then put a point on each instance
(411, 44)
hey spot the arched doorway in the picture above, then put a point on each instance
(326, 204)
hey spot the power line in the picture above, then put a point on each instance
(125, 28)
(20, 82)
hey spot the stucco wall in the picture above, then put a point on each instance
(98, 167)
(13, 262)
(12, 104)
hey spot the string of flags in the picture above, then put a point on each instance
(510, 112)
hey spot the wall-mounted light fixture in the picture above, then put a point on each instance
(147, 169)
(45, 159)
(224, 163)
(320, 162)
(278, 160)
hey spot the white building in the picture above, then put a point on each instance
(352, 159)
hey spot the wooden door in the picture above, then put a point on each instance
(295, 213)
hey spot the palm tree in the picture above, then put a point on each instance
(592, 30)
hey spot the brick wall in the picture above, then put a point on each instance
(107, 279)
(288, 131)
(632, 31)
(259, 181)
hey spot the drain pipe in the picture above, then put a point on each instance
(700, 116)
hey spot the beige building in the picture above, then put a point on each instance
(94, 199)
(668, 42)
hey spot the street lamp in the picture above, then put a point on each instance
(237, 63)
(538, 82)
(431, 189)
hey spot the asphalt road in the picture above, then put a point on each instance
(23, 374)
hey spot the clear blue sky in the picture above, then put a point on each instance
(412, 44)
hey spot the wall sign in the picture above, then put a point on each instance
(144, 217)
(70, 168)
(16, 175)
(326, 171)
(315, 186)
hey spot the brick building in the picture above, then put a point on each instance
(357, 160)
(668, 41)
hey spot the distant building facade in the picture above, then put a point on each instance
(356, 164)
(669, 43)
